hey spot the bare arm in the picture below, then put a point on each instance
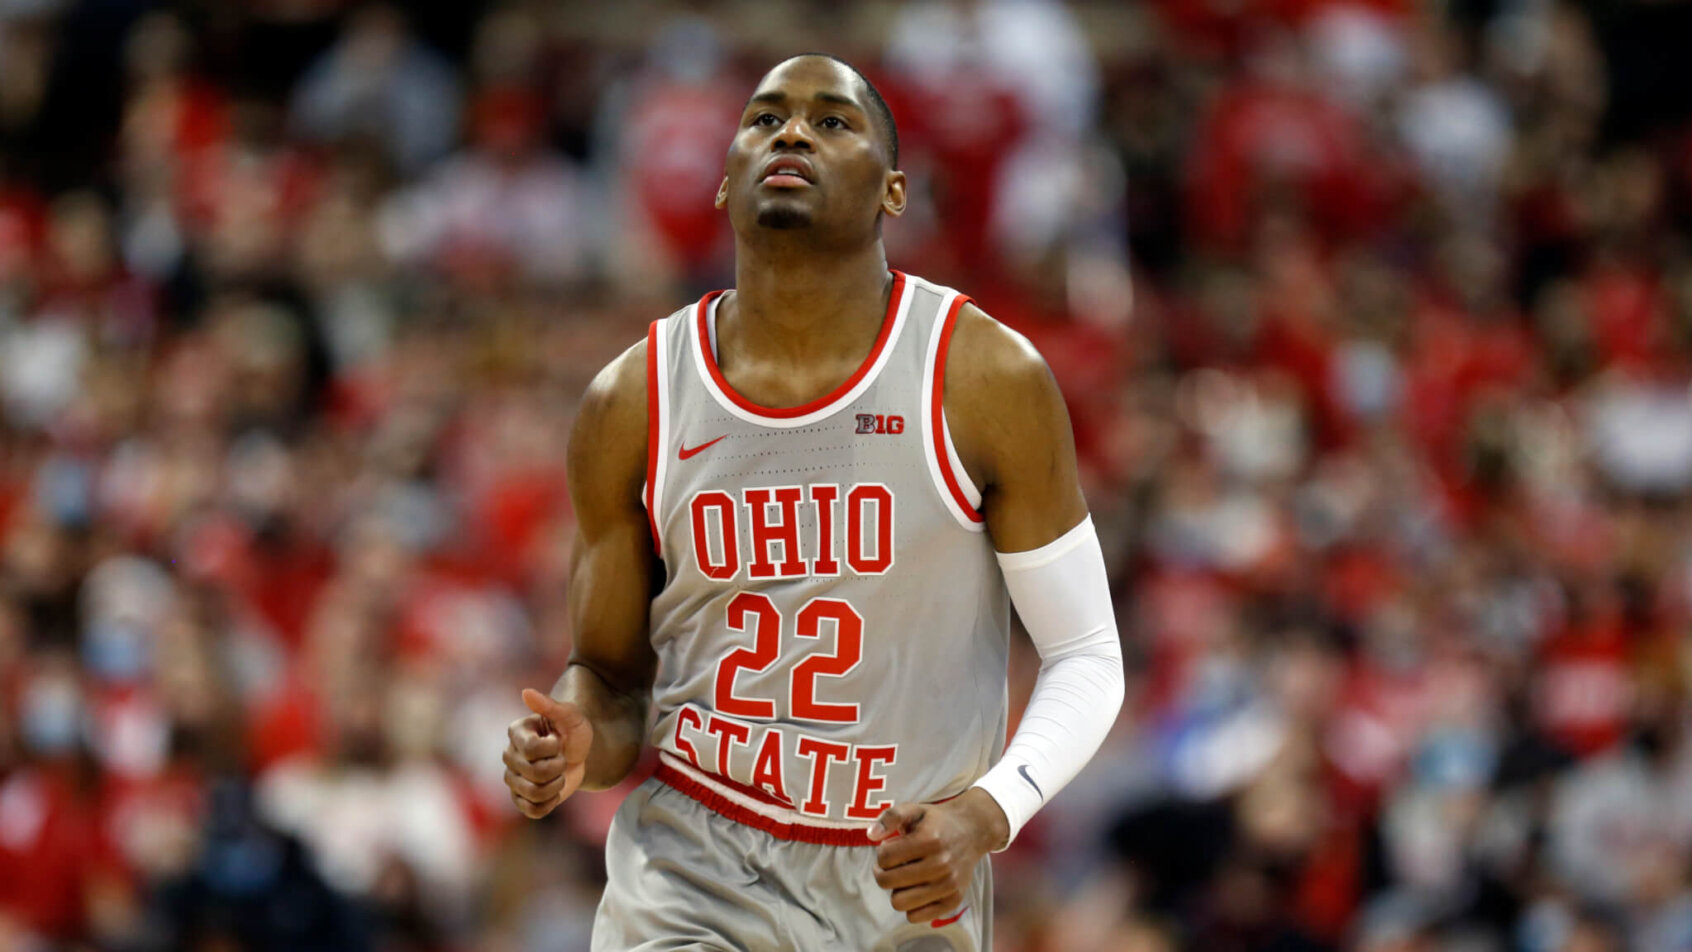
(611, 663)
(588, 731)
(1012, 433)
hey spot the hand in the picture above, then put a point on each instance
(546, 757)
(928, 851)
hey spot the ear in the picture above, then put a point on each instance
(893, 197)
(723, 194)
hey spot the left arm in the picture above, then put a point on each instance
(1012, 433)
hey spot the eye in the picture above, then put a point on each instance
(833, 122)
(766, 119)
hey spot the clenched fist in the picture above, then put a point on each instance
(927, 852)
(547, 754)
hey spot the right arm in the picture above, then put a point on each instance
(588, 731)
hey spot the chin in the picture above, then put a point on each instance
(784, 217)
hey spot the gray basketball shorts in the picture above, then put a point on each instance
(682, 876)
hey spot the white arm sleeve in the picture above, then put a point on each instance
(1063, 597)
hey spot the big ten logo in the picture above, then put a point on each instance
(881, 423)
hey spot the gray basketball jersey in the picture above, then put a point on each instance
(832, 629)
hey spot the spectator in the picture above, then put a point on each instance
(380, 82)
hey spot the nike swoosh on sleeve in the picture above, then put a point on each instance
(1023, 770)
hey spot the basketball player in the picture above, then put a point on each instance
(802, 505)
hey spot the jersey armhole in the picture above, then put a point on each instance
(657, 427)
(959, 493)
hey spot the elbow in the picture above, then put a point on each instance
(1095, 666)
(596, 784)
(1116, 683)
(611, 766)
(1102, 662)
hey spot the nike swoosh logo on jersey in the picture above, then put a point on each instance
(1023, 770)
(687, 453)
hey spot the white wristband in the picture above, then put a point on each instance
(1062, 594)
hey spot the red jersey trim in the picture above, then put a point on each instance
(937, 412)
(723, 806)
(888, 320)
(654, 421)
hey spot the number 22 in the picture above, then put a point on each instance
(756, 611)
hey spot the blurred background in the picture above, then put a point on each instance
(1374, 317)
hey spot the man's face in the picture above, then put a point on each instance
(809, 155)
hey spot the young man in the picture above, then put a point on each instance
(802, 504)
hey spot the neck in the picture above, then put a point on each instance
(796, 301)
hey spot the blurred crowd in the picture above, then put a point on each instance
(1374, 318)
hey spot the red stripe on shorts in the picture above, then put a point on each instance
(717, 803)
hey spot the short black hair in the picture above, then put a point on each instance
(878, 106)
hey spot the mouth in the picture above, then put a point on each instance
(787, 172)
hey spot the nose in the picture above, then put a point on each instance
(795, 133)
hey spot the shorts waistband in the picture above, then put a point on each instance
(756, 808)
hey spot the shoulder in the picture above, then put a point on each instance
(607, 449)
(619, 386)
(985, 354)
(618, 394)
(1002, 403)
